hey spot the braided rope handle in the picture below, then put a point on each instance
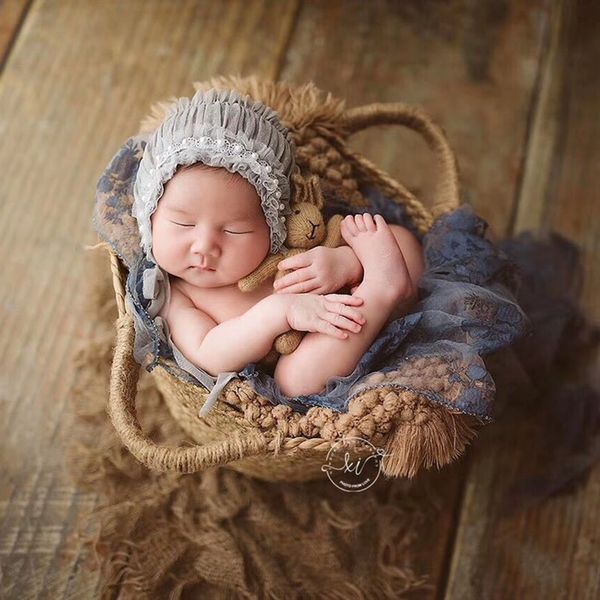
(124, 376)
(396, 113)
(122, 411)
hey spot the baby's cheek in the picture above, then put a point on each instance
(164, 252)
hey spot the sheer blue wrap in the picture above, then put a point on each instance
(466, 309)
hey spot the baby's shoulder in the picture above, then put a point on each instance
(178, 298)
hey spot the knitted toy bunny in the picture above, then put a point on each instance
(306, 229)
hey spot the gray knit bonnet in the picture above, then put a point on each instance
(219, 129)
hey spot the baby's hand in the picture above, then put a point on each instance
(318, 270)
(327, 314)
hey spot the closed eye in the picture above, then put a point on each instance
(226, 230)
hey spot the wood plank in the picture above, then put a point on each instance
(79, 78)
(473, 67)
(545, 128)
(548, 550)
(12, 14)
(104, 73)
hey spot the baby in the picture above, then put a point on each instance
(216, 223)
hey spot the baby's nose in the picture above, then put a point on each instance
(205, 244)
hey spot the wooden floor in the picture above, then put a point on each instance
(514, 84)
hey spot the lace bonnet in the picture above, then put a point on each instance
(219, 129)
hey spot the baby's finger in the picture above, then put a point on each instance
(294, 262)
(291, 279)
(344, 298)
(330, 329)
(355, 315)
(341, 309)
(309, 285)
(342, 322)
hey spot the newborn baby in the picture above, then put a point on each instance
(208, 227)
(206, 250)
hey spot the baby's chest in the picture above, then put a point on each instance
(222, 305)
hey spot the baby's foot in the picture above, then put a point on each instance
(375, 246)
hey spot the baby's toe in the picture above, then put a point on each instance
(379, 221)
(368, 221)
(360, 223)
(350, 224)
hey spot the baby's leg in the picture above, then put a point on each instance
(386, 282)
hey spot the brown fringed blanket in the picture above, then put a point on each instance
(220, 534)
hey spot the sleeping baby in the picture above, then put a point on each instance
(210, 197)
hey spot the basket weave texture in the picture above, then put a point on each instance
(245, 431)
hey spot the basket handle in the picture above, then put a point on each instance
(397, 113)
(121, 408)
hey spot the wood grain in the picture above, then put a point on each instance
(75, 86)
(547, 550)
(546, 123)
(473, 67)
(12, 14)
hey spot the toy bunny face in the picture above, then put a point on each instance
(306, 228)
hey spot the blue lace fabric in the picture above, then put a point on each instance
(466, 308)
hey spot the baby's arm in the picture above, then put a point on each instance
(322, 270)
(232, 344)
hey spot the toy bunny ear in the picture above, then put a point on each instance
(307, 190)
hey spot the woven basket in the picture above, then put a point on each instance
(429, 434)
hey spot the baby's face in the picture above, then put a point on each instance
(207, 218)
